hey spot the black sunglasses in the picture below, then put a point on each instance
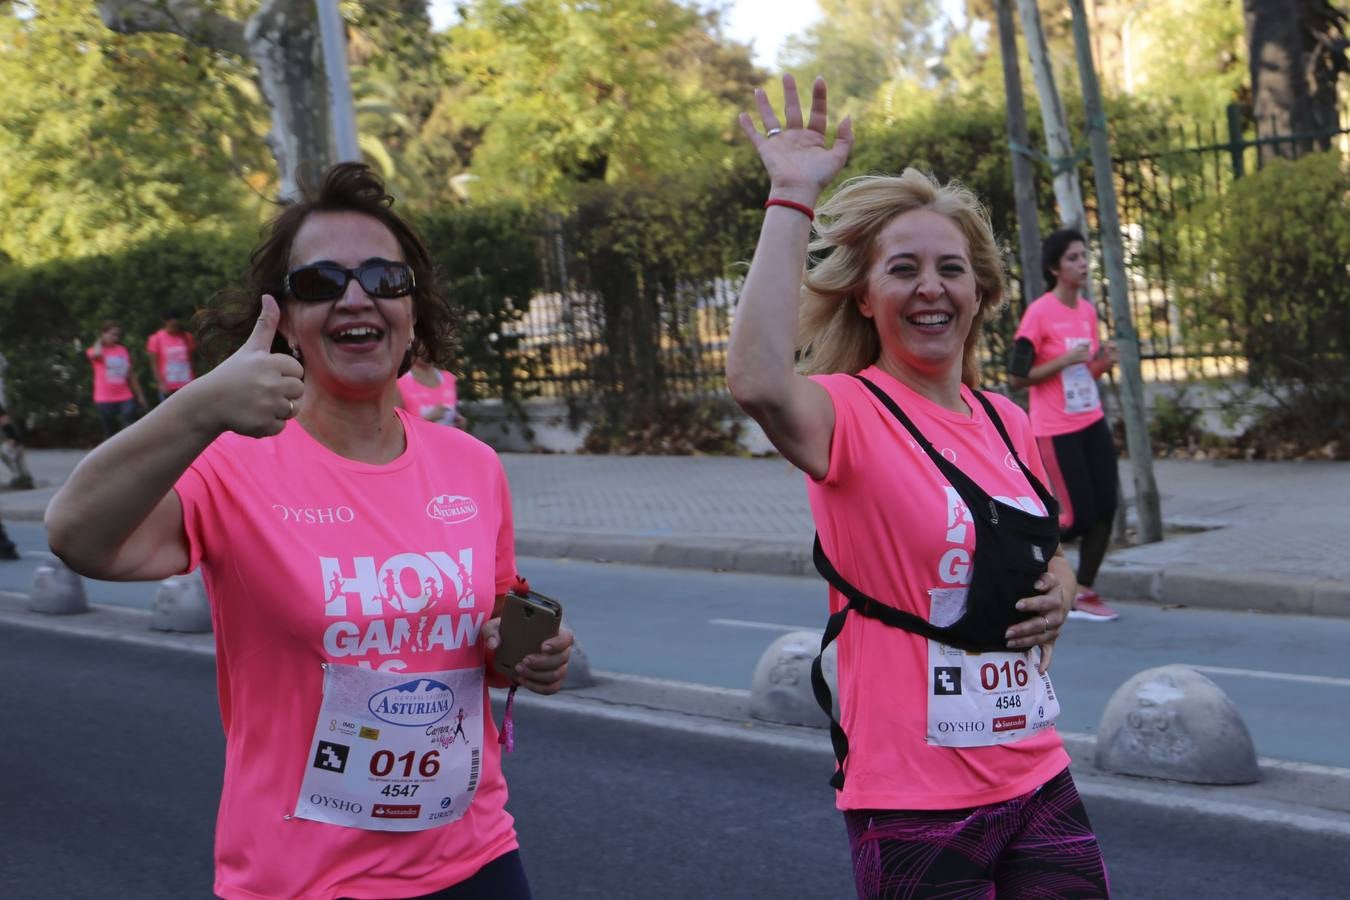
(328, 281)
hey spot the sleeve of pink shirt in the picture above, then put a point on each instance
(1029, 327)
(194, 488)
(845, 395)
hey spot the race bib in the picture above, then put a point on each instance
(393, 751)
(1080, 388)
(116, 368)
(980, 699)
(177, 372)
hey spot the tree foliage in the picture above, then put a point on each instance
(561, 93)
(861, 45)
(109, 140)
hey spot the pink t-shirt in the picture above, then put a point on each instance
(1068, 400)
(111, 373)
(892, 526)
(422, 399)
(173, 355)
(283, 530)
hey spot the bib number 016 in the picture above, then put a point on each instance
(382, 763)
(1005, 676)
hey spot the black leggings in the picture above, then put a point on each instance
(501, 879)
(1085, 479)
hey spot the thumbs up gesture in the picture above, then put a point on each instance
(255, 391)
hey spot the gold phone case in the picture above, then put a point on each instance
(527, 621)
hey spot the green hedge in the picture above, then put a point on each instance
(50, 312)
(1278, 285)
(644, 250)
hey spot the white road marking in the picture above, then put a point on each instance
(1090, 784)
(1275, 676)
(765, 626)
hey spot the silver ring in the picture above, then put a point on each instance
(1047, 624)
(773, 131)
(292, 416)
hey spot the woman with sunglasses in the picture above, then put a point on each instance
(354, 555)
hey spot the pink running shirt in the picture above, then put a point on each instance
(111, 373)
(298, 546)
(173, 355)
(422, 399)
(1053, 328)
(892, 526)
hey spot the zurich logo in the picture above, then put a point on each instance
(452, 509)
(414, 704)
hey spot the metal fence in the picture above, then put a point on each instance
(673, 339)
(1168, 199)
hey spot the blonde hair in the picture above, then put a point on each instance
(833, 335)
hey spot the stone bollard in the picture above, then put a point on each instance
(578, 667)
(780, 689)
(180, 604)
(1172, 722)
(57, 590)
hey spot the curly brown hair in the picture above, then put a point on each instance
(346, 187)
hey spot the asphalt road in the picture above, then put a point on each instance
(111, 772)
(1286, 674)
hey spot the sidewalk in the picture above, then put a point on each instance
(1263, 536)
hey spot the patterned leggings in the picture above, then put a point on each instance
(1038, 845)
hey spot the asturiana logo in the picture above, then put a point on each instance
(413, 704)
(452, 509)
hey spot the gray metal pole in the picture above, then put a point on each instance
(1132, 397)
(333, 34)
(1068, 193)
(1024, 184)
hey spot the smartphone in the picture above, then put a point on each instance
(527, 621)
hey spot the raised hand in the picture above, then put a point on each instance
(255, 391)
(793, 151)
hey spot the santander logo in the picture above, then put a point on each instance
(452, 509)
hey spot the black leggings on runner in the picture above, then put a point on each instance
(1084, 477)
(501, 879)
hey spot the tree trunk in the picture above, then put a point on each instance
(1296, 51)
(282, 40)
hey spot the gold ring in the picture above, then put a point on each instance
(292, 416)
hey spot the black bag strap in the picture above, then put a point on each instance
(884, 612)
(958, 479)
(1047, 498)
(870, 607)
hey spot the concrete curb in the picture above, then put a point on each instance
(1175, 585)
(1302, 795)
